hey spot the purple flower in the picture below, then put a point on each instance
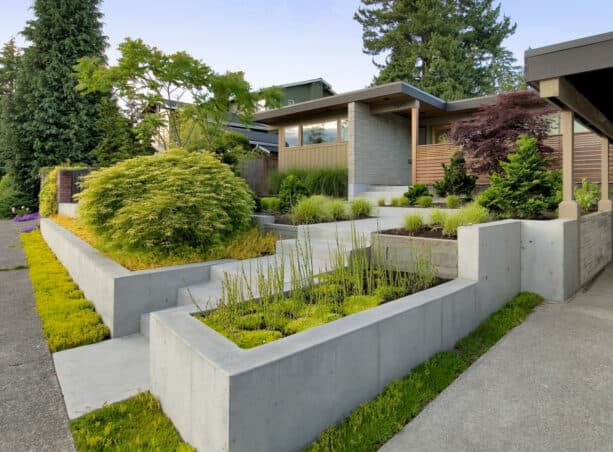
(27, 217)
(29, 229)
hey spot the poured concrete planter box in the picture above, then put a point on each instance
(399, 252)
(280, 396)
(120, 296)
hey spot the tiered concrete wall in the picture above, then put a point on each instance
(221, 397)
(379, 147)
(596, 244)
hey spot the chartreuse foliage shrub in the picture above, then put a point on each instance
(313, 299)
(373, 423)
(437, 218)
(291, 192)
(453, 201)
(323, 181)
(413, 222)
(68, 319)
(169, 204)
(455, 180)
(472, 213)
(415, 191)
(272, 205)
(360, 208)
(424, 201)
(587, 195)
(47, 198)
(381, 202)
(135, 424)
(319, 209)
(525, 188)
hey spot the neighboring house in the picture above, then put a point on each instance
(387, 136)
(295, 93)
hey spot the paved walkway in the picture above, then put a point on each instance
(547, 386)
(32, 413)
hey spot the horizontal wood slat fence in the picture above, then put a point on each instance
(586, 158)
(323, 155)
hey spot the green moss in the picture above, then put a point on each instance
(251, 322)
(389, 293)
(357, 303)
(134, 424)
(373, 423)
(250, 339)
(68, 319)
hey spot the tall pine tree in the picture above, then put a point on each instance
(450, 48)
(9, 62)
(49, 121)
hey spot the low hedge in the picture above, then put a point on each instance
(372, 424)
(323, 181)
(68, 319)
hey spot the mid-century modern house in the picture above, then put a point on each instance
(389, 136)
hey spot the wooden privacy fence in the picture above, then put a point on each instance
(323, 155)
(256, 170)
(586, 158)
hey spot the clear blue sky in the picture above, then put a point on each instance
(281, 41)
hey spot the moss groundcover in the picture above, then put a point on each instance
(135, 424)
(373, 423)
(68, 319)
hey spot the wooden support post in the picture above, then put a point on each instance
(605, 204)
(414, 141)
(568, 207)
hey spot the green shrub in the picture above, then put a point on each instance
(291, 192)
(587, 196)
(395, 202)
(403, 201)
(453, 201)
(437, 217)
(424, 201)
(413, 222)
(338, 209)
(358, 303)
(455, 180)
(415, 191)
(137, 423)
(69, 320)
(360, 208)
(270, 205)
(170, 203)
(525, 188)
(10, 197)
(47, 205)
(314, 209)
(323, 181)
(381, 202)
(389, 293)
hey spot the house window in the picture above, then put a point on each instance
(321, 132)
(439, 133)
(344, 128)
(291, 136)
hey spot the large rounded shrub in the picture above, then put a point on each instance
(47, 198)
(168, 204)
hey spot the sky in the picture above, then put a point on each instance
(283, 41)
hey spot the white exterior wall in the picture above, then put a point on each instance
(379, 148)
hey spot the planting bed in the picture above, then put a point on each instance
(423, 232)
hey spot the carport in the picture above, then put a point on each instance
(577, 77)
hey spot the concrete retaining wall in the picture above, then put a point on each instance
(67, 208)
(120, 296)
(281, 395)
(399, 251)
(595, 244)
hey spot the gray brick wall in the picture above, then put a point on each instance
(379, 148)
(596, 244)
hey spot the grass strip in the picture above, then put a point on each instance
(14, 267)
(137, 423)
(68, 318)
(375, 422)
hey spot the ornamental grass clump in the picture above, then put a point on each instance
(413, 222)
(170, 203)
(424, 201)
(472, 213)
(314, 209)
(360, 208)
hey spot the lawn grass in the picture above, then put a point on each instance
(68, 319)
(249, 244)
(375, 422)
(135, 424)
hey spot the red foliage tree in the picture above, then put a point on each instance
(490, 134)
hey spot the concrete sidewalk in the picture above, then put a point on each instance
(32, 413)
(547, 386)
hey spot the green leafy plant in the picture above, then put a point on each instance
(525, 188)
(413, 222)
(455, 180)
(168, 204)
(338, 209)
(269, 204)
(453, 201)
(395, 202)
(10, 197)
(48, 194)
(415, 191)
(381, 202)
(587, 196)
(437, 218)
(323, 181)
(360, 208)
(313, 209)
(291, 192)
(403, 201)
(69, 320)
(424, 201)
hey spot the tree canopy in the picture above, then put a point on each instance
(46, 122)
(172, 95)
(450, 48)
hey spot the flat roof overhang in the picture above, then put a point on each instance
(577, 75)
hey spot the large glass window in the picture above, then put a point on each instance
(291, 136)
(321, 132)
(344, 128)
